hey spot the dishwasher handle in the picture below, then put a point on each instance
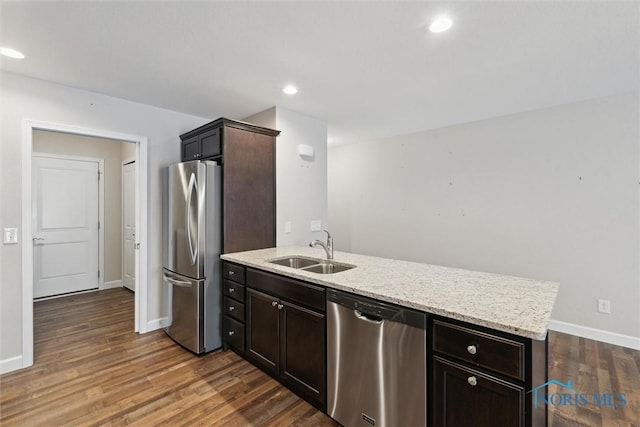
(368, 317)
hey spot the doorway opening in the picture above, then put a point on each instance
(52, 216)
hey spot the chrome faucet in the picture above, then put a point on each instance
(328, 247)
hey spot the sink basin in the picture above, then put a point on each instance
(295, 261)
(313, 265)
(328, 267)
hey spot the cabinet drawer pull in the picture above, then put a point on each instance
(280, 306)
(472, 381)
(472, 349)
(231, 308)
(231, 333)
(274, 303)
(232, 290)
(231, 273)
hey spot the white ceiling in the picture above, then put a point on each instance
(368, 68)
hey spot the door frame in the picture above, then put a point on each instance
(100, 163)
(123, 163)
(28, 126)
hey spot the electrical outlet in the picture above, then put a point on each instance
(287, 227)
(316, 225)
(10, 236)
(604, 306)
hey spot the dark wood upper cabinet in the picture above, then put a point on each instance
(247, 155)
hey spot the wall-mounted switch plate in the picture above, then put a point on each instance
(316, 225)
(10, 236)
(287, 227)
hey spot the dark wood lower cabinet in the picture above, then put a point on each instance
(464, 397)
(288, 341)
(263, 342)
(303, 351)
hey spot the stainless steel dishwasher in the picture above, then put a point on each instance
(376, 362)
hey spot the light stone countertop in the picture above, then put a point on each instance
(506, 303)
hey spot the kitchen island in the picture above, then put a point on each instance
(486, 346)
(511, 304)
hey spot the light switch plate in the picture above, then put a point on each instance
(287, 227)
(10, 236)
(316, 225)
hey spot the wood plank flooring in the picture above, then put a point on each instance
(91, 369)
(594, 367)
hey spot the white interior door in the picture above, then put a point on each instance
(65, 214)
(129, 225)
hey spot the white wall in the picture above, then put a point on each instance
(111, 151)
(301, 185)
(21, 98)
(549, 194)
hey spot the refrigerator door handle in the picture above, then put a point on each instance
(192, 185)
(182, 283)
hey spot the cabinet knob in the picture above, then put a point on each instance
(472, 381)
(472, 349)
(280, 306)
(231, 273)
(274, 303)
(232, 290)
(231, 308)
(231, 333)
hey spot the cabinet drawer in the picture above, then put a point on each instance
(233, 333)
(233, 308)
(233, 272)
(485, 350)
(233, 289)
(291, 290)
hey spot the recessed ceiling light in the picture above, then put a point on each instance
(11, 53)
(290, 89)
(440, 24)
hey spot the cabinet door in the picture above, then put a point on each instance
(249, 191)
(262, 329)
(302, 337)
(210, 143)
(464, 397)
(190, 149)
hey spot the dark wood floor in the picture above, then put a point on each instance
(594, 367)
(92, 369)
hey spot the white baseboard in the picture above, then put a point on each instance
(160, 323)
(595, 334)
(10, 364)
(112, 284)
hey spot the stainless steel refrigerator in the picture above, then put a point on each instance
(191, 250)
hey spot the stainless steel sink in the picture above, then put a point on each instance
(295, 261)
(313, 265)
(328, 267)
